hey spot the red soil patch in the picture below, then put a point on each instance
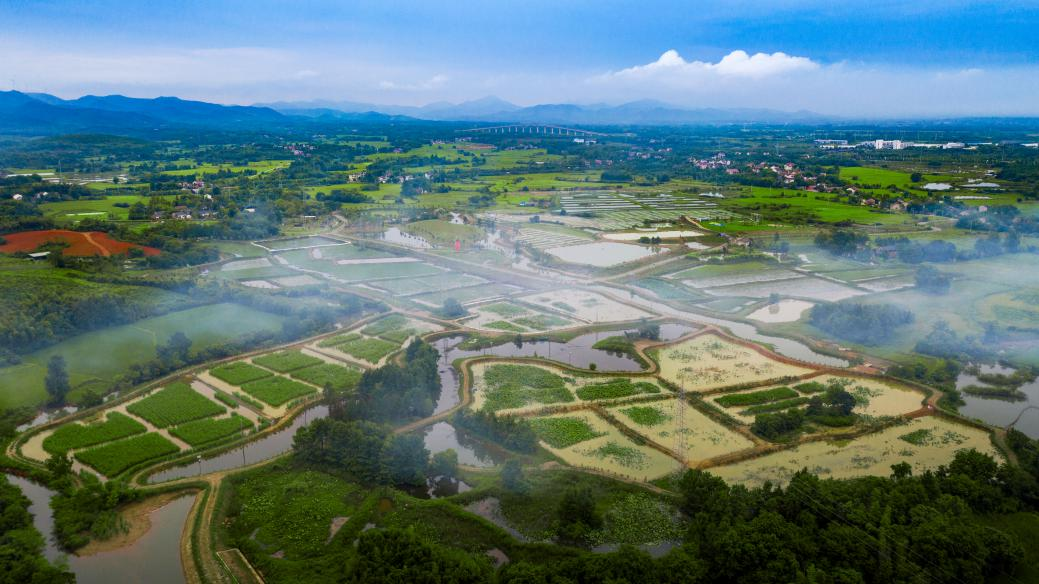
(81, 243)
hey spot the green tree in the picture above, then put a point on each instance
(444, 464)
(578, 517)
(57, 380)
(405, 459)
(453, 308)
(512, 477)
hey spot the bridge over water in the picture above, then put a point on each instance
(543, 129)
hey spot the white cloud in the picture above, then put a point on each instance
(433, 82)
(736, 64)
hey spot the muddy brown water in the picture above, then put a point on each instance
(154, 558)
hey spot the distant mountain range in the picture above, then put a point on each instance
(42, 113)
(493, 109)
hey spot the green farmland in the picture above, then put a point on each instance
(99, 357)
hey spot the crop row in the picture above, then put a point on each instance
(115, 457)
(371, 350)
(72, 436)
(175, 404)
(276, 390)
(285, 361)
(202, 432)
(238, 373)
(338, 340)
(514, 386)
(328, 374)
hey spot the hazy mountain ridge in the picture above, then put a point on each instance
(44, 113)
(494, 109)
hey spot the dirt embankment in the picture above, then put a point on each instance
(138, 519)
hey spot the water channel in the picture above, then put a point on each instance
(154, 558)
(1002, 412)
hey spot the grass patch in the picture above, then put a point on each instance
(292, 510)
(238, 373)
(72, 436)
(286, 361)
(564, 432)
(276, 390)
(202, 432)
(115, 457)
(175, 404)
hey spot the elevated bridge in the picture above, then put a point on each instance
(543, 129)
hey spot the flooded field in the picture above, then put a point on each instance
(585, 305)
(925, 443)
(688, 432)
(602, 254)
(613, 452)
(442, 436)
(708, 362)
(786, 310)
(783, 346)
(873, 397)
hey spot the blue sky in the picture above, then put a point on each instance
(847, 57)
